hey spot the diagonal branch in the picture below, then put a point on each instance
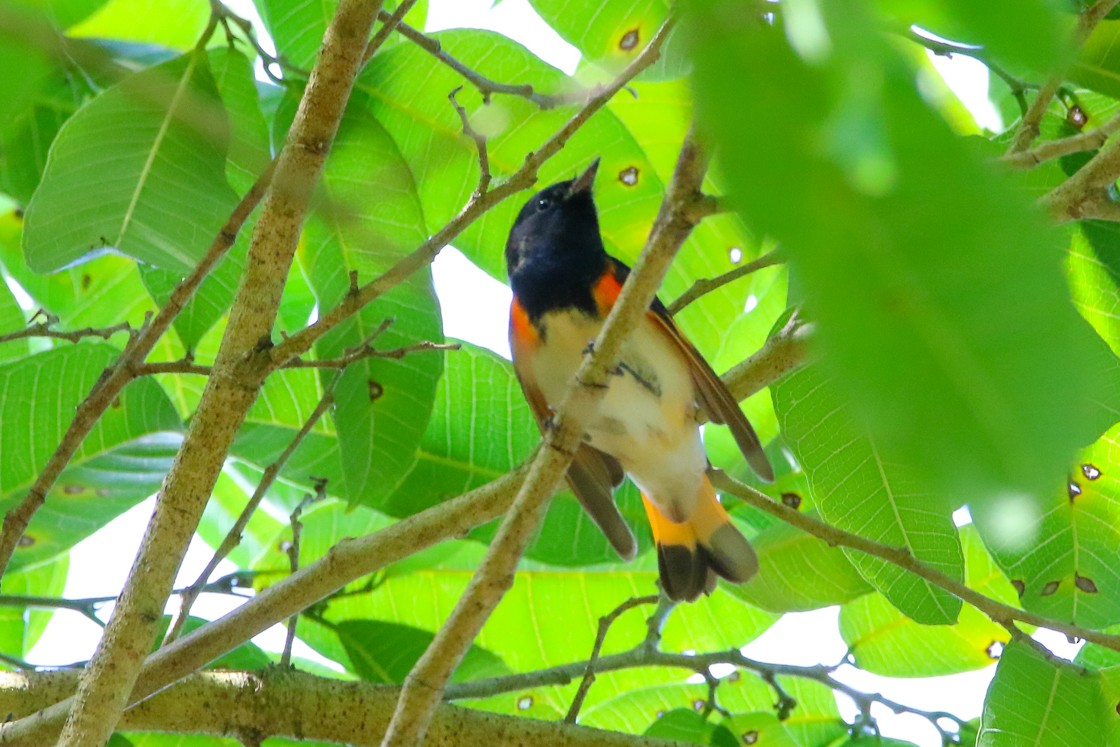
(424, 685)
(1000, 613)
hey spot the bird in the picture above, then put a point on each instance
(648, 421)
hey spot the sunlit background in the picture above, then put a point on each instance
(475, 308)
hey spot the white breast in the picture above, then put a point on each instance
(647, 418)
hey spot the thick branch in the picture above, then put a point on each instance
(239, 372)
(782, 353)
(1051, 149)
(1086, 193)
(424, 685)
(283, 703)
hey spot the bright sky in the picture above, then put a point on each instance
(475, 308)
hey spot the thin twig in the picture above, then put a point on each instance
(484, 176)
(292, 550)
(707, 285)
(45, 328)
(1000, 613)
(605, 623)
(233, 536)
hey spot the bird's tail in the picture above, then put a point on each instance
(691, 553)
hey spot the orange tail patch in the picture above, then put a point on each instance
(690, 554)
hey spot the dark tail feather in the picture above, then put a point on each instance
(691, 553)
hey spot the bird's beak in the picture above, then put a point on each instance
(584, 181)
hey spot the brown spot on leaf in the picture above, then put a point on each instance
(525, 702)
(1086, 584)
(103, 493)
(629, 40)
(629, 176)
(734, 676)
(18, 213)
(1074, 490)
(26, 541)
(375, 391)
(1020, 587)
(86, 281)
(72, 489)
(793, 500)
(750, 737)
(1118, 709)
(1090, 471)
(994, 649)
(1076, 117)
(1050, 588)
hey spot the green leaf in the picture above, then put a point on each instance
(1093, 267)
(99, 293)
(62, 13)
(120, 462)
(170, 23)
(897, 230)
(370, 218)
(885, 642)
(152, 149)
(797, 571)
(1042, 700)
(1068, 571)
(857, 489)
(248, 155)
(386, 652)
(20, 628)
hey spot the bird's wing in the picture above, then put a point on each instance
(712, 394)
(592, 475)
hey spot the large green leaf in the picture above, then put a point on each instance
(99, 293)
(899, 231)
(886, 642)
(609, 35)
(368, 219)
(1098, 61)
(1036, 699)
(859, 490)
(1070, 572)
(120, 462)
(62, 13)
(248, 154)
(1093, 266)
(152, 149)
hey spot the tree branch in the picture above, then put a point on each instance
(707, 285)
(45, 328)
(1051, 149)
(782, 353)
(240, 369)
(424, 685)
(1000, 613)
(1085, 194)
(284, 703)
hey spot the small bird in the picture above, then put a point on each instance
(648, 422)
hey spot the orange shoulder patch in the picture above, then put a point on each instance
(522, 333)
(606, 292)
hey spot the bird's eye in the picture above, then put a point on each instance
(544, 204)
